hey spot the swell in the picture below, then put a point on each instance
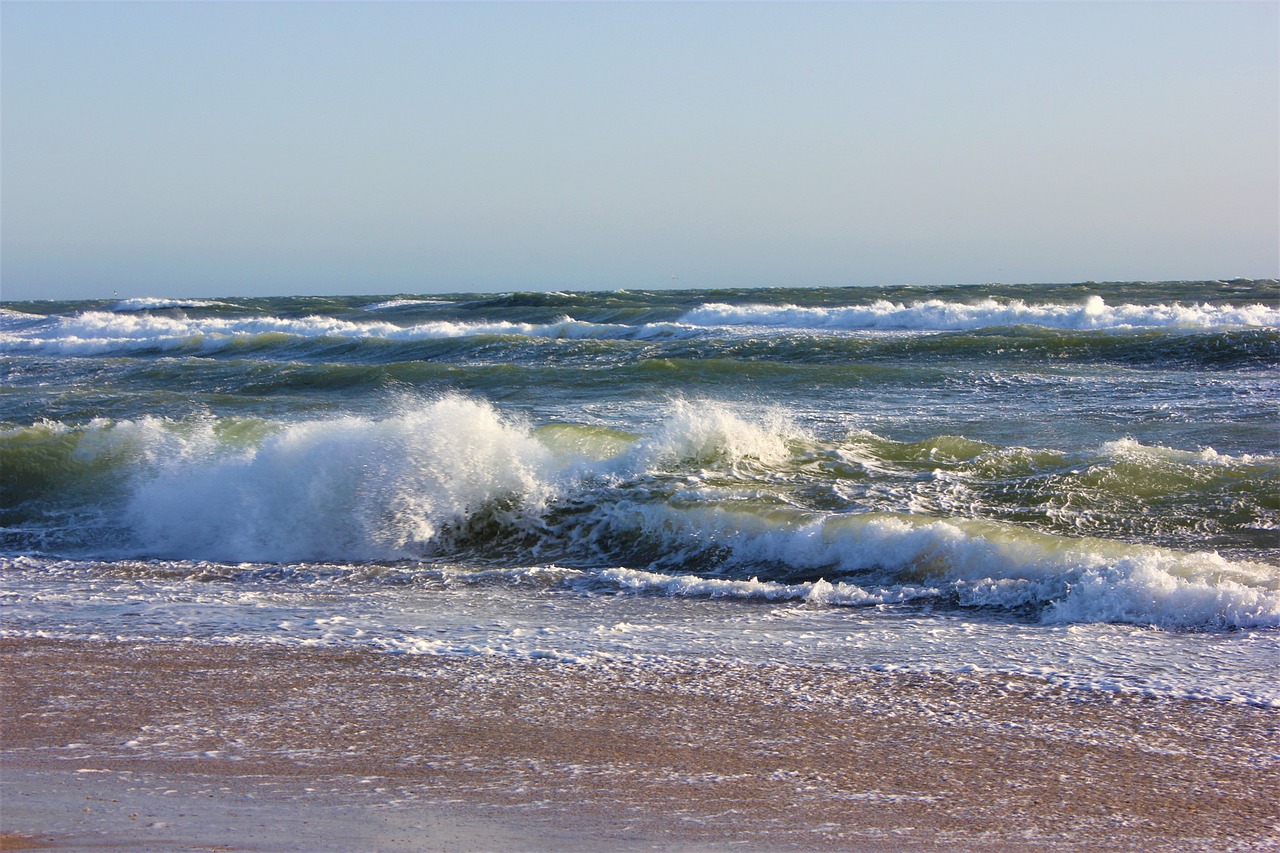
(1211, 350)
(569, 341)
(95, 333)
(942, 315)
(1120, 532)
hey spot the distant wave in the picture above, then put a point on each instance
(404, 303)
(940, 315)
(101, 332)
(11, 320)
(132, 327)
(149, 303)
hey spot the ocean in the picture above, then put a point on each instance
(1076, 484)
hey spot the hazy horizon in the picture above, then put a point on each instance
(166, 300)
(205, 150)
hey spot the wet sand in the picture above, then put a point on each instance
(113, 745)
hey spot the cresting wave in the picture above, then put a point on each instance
(391, 304)
(158, 325)
(710, 502)
(941, 315)
(147, 303)
(103, 332)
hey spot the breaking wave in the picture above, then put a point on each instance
(391, 304)
(944, 315)
(103, 332)
(151, 303)
(162, 326)
(710, 501)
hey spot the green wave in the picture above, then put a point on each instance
(704, 455)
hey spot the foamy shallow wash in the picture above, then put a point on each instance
(1073, 481)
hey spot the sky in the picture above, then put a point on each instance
(269, 148)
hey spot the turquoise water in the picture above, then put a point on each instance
(979, 476)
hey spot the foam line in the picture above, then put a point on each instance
(939, 315)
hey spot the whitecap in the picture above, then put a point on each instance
(941, 315)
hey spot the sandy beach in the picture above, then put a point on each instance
(192, 746)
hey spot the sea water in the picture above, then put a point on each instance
(1073, 482)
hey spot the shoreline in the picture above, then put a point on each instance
(275, 748)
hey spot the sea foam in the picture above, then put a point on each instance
(130, 327)
(940, 315)
(347, 488)
(151, 303)
(436, 476)
(972, 563)
(103, 332)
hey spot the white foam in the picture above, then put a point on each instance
(347, 488)
(703, 431)
(12, 323)
(939, 315)
(97, 332)
(980, 563)
(10, 315)
(657, 621)
(355, 488)
(816, 592)
(404, 303)
(149, 303)
(1128, 448)
(128, 327)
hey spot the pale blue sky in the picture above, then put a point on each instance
(189, 149)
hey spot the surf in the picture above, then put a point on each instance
(937, 315)
(734, 497)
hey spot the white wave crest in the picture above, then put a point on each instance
(939, 315)
(816, 592)
(348, 488)
(404, 303)
(980, 564)
(356, 488)
(150, 303)
(1128, 448)
(98, 332)
(11, 320)
(703, 431)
